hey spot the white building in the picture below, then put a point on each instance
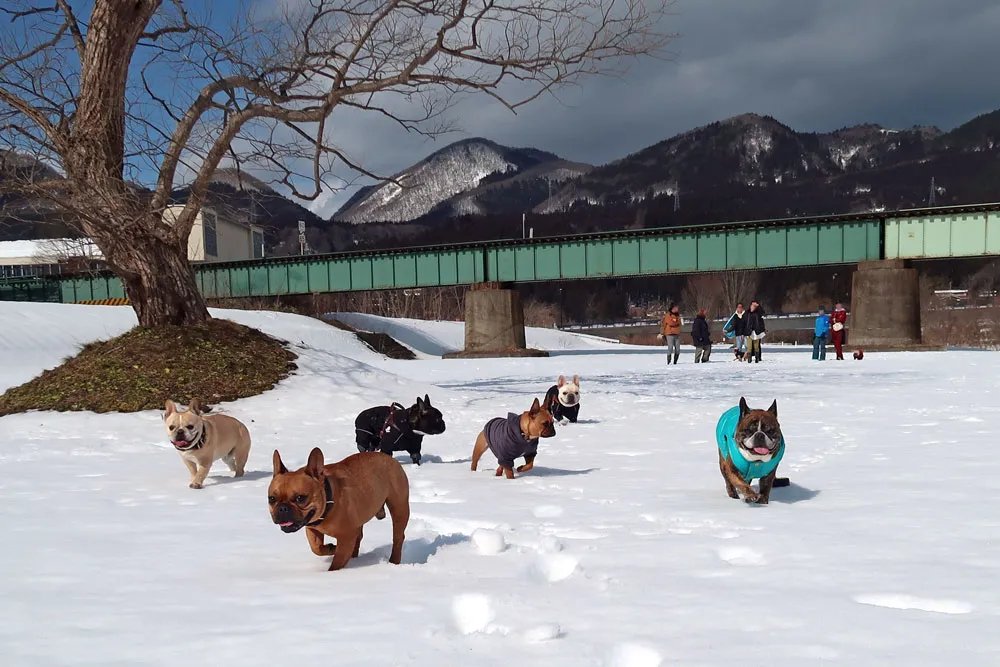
(44, 257)
(217, 238)
(213, 238)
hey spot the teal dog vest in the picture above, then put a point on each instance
(725, 436)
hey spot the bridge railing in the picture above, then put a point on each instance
(755, 244)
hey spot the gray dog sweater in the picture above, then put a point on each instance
(506, 441)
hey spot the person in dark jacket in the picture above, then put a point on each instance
(736, 328)
(755, 330)
(701, 336)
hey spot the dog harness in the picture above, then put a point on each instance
(725, 436)
(390, 422)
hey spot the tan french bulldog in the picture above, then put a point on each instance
(202, 440)
(338, 500)
(514, 436)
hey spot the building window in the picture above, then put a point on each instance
(211, 235)
(258, 244)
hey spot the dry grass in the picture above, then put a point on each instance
(970, 327)
(379, 342)
(215, 361)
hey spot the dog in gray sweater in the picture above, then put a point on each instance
(512, 437)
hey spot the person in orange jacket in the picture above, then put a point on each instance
(670, 330)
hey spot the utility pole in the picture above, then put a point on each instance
(931, 199)
(677, 197)
(523, 216)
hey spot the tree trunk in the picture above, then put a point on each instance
(159, 282)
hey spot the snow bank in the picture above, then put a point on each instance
(435, 338)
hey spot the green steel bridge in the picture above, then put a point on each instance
(925, 233)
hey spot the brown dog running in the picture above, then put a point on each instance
(750, 447)
(513, 437)
(338, 500)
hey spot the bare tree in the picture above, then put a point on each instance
(56, 251)
(129, 99)
(703, 291)
(739, 286)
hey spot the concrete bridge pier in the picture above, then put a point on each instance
(885, 306)
(494, 324)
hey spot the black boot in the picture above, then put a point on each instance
(676, 354)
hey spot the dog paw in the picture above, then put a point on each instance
(752, 498)
(194, 485)
(732, 493)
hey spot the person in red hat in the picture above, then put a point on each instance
(838, 324)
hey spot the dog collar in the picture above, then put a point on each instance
(328, 488)
(194, 444)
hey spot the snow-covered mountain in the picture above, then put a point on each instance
(241, 180)
(455, 181)
(748, 150)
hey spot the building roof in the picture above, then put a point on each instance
(45, 248)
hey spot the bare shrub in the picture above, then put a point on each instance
(703, 291)
(541, 314)
(804, 299)
(738, 286)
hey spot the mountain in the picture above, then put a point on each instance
(745, 167)
(744, 151)
(471, 176)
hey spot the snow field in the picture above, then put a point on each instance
(620, 549)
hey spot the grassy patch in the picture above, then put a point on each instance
(215, 361)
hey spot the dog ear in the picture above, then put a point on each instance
(744, 408)
(420, 403)
(194, 406)
(535, 408)
(279, 467)
(576, 379)
(170, 408)
(561, 381)
(314, 467)
(774, 408)
(427, 400)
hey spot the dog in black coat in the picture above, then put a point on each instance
(562, 400)
(393, 428)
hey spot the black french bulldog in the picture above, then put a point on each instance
(393, 428)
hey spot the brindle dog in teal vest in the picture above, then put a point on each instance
(750, 447)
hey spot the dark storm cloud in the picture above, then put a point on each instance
(812, 64)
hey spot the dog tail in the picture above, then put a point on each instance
(782, 481)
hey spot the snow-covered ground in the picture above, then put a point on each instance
(621, 548)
